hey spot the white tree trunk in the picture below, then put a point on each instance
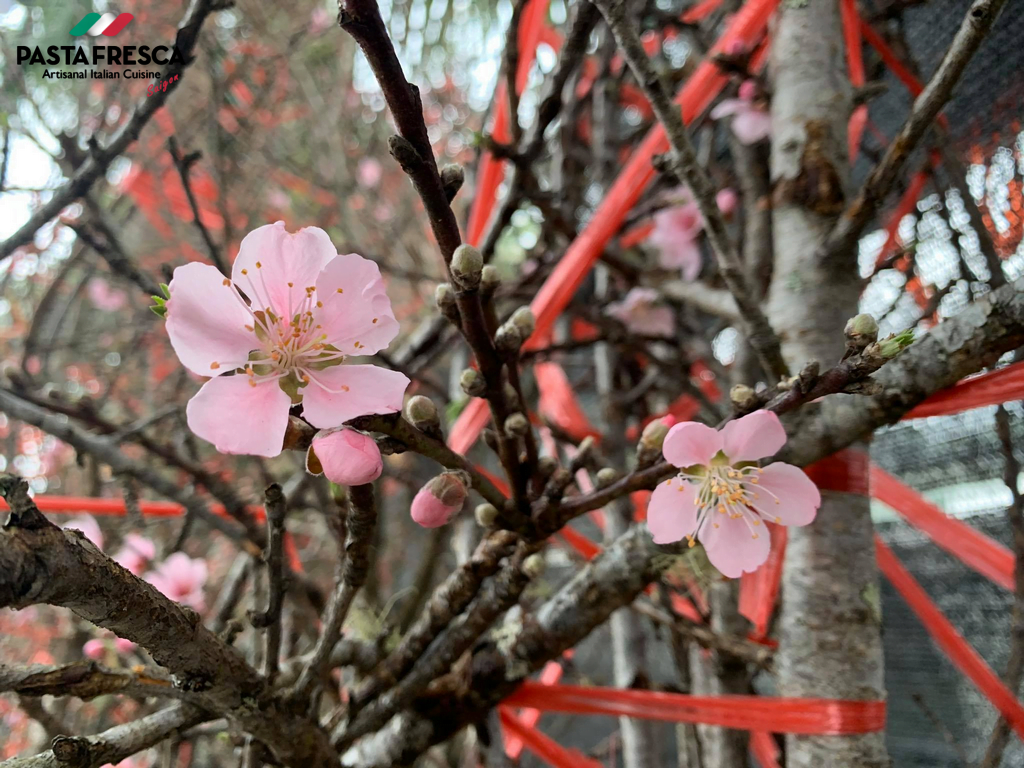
(830, 644)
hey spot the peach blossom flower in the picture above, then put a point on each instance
(181, 578)
(721, 496)
(136, 553)
(750, 121)
(293, 311)
(675, 235)
(347, 456)
(727, 200)
(438, 500)
(104, 297)
(94, 649)
(640, 313)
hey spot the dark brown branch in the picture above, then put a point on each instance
(86, 680)
(46, 564)
(445, 604)
(352, 570)
(115, 744)
(1014, 675)
(858, 214)
(687, 167)
(100, 158)
(276, 506)
(184, 165)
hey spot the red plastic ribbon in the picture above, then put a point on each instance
(696, 95)
(905, 207)
(558, 403)
(946, 636)
(973, 548)
(550, 675)
(758, 713)
(845, 471)
(1000, 386)
(543, 746)
(855, 65)
(760, 589)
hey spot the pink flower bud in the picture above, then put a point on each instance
(727, 200)
(346, 456)
(438, 500)
(123, 645)
(748, 90)
(94, 649)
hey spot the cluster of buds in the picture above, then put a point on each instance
(515, 331)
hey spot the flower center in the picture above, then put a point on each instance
(732, 491)
(291, 345)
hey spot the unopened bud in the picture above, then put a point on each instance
(467, 265)
(472, 383)
(486, 515)
(895, 343)
(533, 566)
(439, 499)
(606, 477)
(452, 177)
(508, 339)
(444, 295)
(516, 425)
(860, 331)
(546, 466)
(490, 438)
(742, 396)
(489, 280)
(422, 413)
(511, 396)
(524, 322)
(653, 436)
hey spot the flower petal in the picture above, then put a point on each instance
(727, 107)
(370, 390)
(798, 496)
(240, 418)
(356, 307)
(732, 548)
(751, 125)
(753, 436)
(348, 457)
(273, 257)
(689, 443)
(206, 321)
(671, 513)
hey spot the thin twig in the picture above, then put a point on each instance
(184, 165)
(276, 506)
(975, 26)
(686, 166)
(99, 159)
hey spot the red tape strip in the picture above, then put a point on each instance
(946, 636)
(1000, 386)
(973, 548)
(543, 746)
(752, 713)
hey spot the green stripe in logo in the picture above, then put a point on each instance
(87, 21)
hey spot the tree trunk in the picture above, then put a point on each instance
(830, 644)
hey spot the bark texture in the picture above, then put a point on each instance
(830, 644)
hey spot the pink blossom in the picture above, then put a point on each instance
(94, 649)
(307, 309)
(319, 20)
(88, 527)
(369, 172)
(750, 121)
(640, 313)
(675, 236)
(438, 500)
(123, 645)
(136, 553)
(721, 496)
(104, 297)
(727, 200)
(181, 579)
(347, 456)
